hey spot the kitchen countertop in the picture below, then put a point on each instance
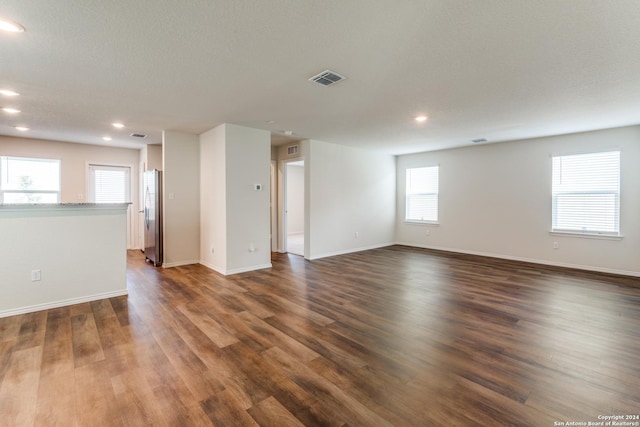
(13, 209)
(62, 205)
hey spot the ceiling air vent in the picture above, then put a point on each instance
(327, 78)
(138, 135)
(292, 150)
(479, 140)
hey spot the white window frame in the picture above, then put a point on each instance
(557, 191)
(90, 188)
(409, 194)
(91, 195)
(24, 191)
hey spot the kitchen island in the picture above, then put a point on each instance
(53, 255)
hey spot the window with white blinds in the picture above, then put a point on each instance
(422, 194)
(29, 180)
(586, 193)
(109, 184)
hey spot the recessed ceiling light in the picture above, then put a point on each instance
(106, 138)
(7, 92)
(10, 110)
(117, 125)
(12, 27)
(22, 128)
(421, 118)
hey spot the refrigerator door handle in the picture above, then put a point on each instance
(146, 209)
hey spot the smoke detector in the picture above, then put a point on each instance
(327, 78)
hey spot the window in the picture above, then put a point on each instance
(29, 180)
(109, 184)
(422, 194)
(586, 193)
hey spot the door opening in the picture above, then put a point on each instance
(294, 207)
(273, 205)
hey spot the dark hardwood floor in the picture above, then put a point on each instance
(393, 336)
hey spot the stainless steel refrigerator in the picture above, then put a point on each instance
(153, 217)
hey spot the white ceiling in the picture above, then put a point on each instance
(495, 69)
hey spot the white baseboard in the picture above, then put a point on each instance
(212, 267)
(349, 251)
(529, 260)
(246, 269)
(235, 270)
(179, 263)
(63, 303)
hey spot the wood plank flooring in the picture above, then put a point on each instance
(389, 337)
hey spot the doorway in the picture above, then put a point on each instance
(112, 184)
(273, 206)
(293, 188)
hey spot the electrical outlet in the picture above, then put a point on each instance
(356, 234)
(36, 275)
(556, 245)
(427, 233)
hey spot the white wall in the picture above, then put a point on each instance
(181, 198)
(74, 162)
(154, 157)
(248, 213)
(495, 200)
(213, 196)
(80, 252)
(151, 157)
(233, 160)
(349, 191)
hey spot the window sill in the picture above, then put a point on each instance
(416, 222)
(587, 235)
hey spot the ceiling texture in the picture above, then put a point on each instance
(495, 69)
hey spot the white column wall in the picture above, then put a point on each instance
(235, 217)
(248, 159)
(213, 200)
(181, 198)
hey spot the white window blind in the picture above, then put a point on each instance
(29, 180)
(586, 193)
(109, 184)
(422, 194)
